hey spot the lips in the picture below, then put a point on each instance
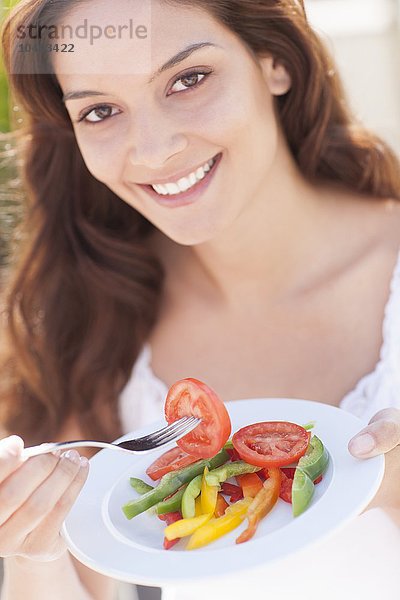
(188, 197)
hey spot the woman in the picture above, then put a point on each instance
(250, 280)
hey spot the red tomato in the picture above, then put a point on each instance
(271, 443)
(192, 397)
(169, 461)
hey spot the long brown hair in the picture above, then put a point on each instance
(86, 292)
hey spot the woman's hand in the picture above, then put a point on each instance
(381, 435)
(35, 497)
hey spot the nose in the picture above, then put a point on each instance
(154, 140)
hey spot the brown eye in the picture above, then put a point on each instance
(97, 114)
(188, 81)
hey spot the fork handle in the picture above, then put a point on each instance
(52, 446)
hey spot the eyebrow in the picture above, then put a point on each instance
(172, 62)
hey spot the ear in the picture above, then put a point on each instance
(276, 76)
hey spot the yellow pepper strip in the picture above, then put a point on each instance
(209, 495)
(185, 527)
(197, 507)
(261, 505)
(216, 528)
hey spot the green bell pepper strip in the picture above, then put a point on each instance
(170, 483)
(315, 460)
(171, 504)
(309, 425)
(192, 491)
(302, 492)
(221, 474)
(310, 466)
(140, 486)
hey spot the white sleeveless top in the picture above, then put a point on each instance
(363, 560)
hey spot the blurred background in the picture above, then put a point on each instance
(364, 38)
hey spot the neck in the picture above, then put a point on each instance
(267, 252)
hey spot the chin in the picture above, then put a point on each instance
(190, 236)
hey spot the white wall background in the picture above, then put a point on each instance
(364, 37)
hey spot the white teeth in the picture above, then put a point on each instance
(185, 183)
(200, 173)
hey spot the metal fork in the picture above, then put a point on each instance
(163, 436)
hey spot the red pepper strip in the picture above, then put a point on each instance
(262, 504)
(221, 507)
(169, 543)
(287, 483)
(289, 472)
(232, 490)
(233, 455)
(285, 491)
(250, 483)
(170, 518)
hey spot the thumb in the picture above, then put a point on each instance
(381, 435)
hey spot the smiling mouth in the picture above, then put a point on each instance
(185, 184)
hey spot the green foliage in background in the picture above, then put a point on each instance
(5, 124)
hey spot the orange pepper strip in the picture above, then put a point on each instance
(264, 501)
(250, 483)
(221, 507)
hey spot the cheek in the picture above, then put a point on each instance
(102, 158)
(240, 118)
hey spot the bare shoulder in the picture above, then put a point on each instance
(372, 225)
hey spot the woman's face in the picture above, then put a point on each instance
(207, 123)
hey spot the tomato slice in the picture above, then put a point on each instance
(192, 397)
(271, 443)
(172, 460)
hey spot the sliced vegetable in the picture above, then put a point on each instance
(309, 425)
(215, 528)
(192, 491)
(209, 494)
(171, 503)
(140, 486)
(233, 491)
(170, 518)
(168, 544)
(228, 445)
(315, 460)
(262, 504)
(310, 467)
(302, 492)
(271, 443)
(197, 507)
(229, 470)
(192, 397)
(172, 460)
(221, 506)
(250, 483)
(185, 527)
(286, 487)
(170, 483)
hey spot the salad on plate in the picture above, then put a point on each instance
(209, 484)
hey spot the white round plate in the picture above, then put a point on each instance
(101, 537)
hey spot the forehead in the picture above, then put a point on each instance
(130, 37)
